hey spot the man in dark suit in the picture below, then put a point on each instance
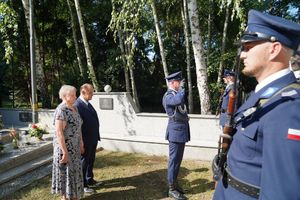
(178, 132)
(90, 135)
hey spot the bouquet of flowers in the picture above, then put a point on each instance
(15, 138)
(37, 130)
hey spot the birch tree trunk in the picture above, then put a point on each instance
(185, 19)
(161, 45)
(40, 74)
(121, 43)
(82, 68)
(91, 73)
(133, 86)
(221, 64)
(210, 11)
(198, 54)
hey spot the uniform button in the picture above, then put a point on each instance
(242, 129)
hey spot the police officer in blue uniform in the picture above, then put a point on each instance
(263, 159)
(178, 132)
(229, 79)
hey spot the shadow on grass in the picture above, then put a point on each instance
(197, 186)
(150, 185)
(132, 177)
(116, 159)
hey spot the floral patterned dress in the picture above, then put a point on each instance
(67, 178)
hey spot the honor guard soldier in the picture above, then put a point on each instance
(263, 159)
(178, 131)
(229, 79)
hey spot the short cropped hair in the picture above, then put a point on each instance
(86, 87)
(65, 89)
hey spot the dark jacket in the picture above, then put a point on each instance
(90, 126)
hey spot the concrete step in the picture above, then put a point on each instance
(20, 167)
(24, 180)
(17, 157)
(18, 171)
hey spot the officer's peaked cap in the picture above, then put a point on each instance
(227, 72)
(174, 76)
(263, 26)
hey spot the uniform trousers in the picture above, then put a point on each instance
(176, 151)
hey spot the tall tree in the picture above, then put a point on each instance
(124, 22)
(160, 42)
(123, 57)
(83, 71)
(92, 74)
(224, 37)
(185, 19)
(40, 74)
(209, 28)
(8, 28)
(199, 57)
(131, 73)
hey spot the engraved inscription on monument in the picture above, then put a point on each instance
(106, 103)
(25, 117)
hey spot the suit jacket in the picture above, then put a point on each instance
(90, 126)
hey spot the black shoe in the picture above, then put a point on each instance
(94, 183)
(176, 195)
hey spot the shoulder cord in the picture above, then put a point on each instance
(166, 105)
(181, 110)
(261, 102)
(264, 101)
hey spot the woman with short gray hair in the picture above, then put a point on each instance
(67, 178)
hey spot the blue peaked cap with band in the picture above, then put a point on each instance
(174, 76)
(227, 72)
(267, 27)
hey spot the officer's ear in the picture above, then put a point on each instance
(275, 49)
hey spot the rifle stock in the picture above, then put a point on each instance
(225, 138)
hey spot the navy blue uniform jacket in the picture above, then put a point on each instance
(265, 150)
(224, 106)
(90, 126)
(178, 129)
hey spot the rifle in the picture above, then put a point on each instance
(226, 137)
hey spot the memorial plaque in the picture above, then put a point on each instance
(106, 104)
(25, 117)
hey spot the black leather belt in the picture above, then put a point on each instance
(241, 186)
(179, 120)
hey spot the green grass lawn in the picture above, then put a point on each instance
(133, 177)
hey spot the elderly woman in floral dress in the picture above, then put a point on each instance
(67, 178)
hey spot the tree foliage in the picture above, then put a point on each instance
(103, 19)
